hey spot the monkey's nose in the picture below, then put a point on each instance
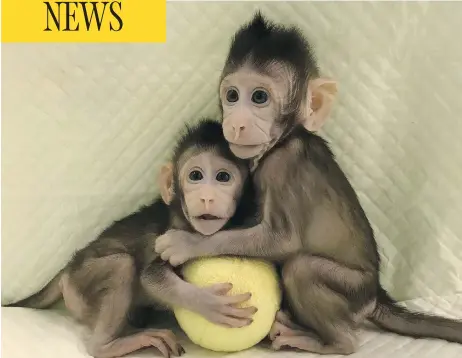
(207, 201)
(238, 128)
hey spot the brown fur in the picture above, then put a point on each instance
(107, 284)
(311, 220)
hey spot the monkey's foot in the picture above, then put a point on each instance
(162, 339)
(287, 334)
(284, 325)
(310, 343)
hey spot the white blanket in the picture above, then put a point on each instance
(85, 128)
(43, 334)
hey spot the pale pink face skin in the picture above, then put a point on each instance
(211, 186)
(251, 103)
(250, 123)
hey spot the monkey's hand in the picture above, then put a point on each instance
(218, 307)
(178, 246)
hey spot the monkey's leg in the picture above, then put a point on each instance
(138, 316)
(111, 292)
(315, 290)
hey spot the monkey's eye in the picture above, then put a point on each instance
(195, 175)
(223, 177)
(232, 95)
(259, 96)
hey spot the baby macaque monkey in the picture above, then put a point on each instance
(119, 273)
(311, 221)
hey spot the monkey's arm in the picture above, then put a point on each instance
(178, 246)
(162, 285)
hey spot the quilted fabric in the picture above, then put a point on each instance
(54, 333)
(85, 128)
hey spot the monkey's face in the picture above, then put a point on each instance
(252, 103)
(211, 186)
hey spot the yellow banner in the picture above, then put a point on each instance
(84, 21)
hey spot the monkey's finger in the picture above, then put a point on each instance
(160, 345)
(275, 330)
(238, 312)
(305, 343)
(280, 342)
(278, 329)
(165, 256)
(282, 316)
(233, 322)
(160, 247)
(170, 339)
(177, 260)
(166, 335)
(220, 288)
(182, 350)
(162, 243)
(175, 347)
(236, 299)
(275, 344)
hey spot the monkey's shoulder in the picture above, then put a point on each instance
(129, 235)
(307, 157)
(147, 219)
(301, 147)
(318, 155)
(311, 145)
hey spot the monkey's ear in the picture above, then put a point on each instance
(166, 183)
(321, 96)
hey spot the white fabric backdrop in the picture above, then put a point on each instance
(85, 128)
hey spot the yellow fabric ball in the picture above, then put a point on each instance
(247, 275)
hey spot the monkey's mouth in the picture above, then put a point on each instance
(208, 217)
(208, 224)
(248, 146)
(246, 151)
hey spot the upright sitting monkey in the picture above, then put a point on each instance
(120, 272)
(272, 100)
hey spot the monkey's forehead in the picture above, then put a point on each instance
(269, 74)
(193, 152)
(206, 156)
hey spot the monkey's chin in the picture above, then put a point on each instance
(208, 227)
(246, 151)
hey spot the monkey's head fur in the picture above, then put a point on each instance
(205, 181)
(269, 84)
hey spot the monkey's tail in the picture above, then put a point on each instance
(45, 297)
(393, 317)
